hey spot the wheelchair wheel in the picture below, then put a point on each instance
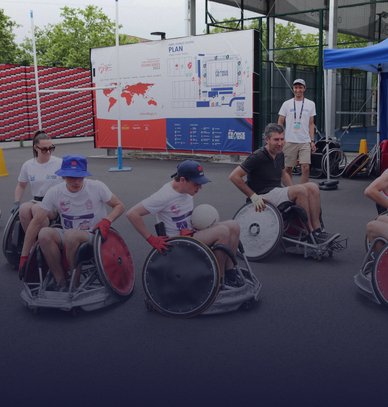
(184, 281)
(356, 165)
(337, 162)
(380, 275)
(260, 232)
(114, 263)
(13, 238)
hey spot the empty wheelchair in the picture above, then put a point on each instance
(103, 274)
(372, 279)
(262, 232)
(327, 157)
(185, 281)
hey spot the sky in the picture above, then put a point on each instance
(137, 17)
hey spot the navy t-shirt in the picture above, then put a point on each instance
(263, 172)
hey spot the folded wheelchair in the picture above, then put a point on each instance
(328, 156)
(103, 274)
(262, 232)
(372, 279)
(185, 280)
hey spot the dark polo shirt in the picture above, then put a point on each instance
(263, 172)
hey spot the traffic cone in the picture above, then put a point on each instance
(3, 167)
(363, 147)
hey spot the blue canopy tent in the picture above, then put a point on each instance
(373, 59)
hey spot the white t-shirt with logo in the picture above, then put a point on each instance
(172, 208)
(78, 210)
(297, 119)
(40, 176)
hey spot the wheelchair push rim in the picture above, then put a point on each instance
(260, 232)
(114, 263)
(11, 249)
(380, 275)
(182, 282)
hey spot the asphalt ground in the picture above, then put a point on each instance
(312, 340)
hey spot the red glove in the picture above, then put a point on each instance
(158, 242)
(103, 225)
(186, 232)
(22, 265)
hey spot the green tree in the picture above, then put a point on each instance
(8, 46)
(292, 46)
(68, 43)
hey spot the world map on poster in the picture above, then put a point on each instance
(129, 93)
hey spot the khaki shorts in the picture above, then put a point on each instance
(294, 152)
(277, 196)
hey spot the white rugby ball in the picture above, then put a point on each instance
(204, 216)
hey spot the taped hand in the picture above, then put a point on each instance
(258, 201)
(158, 242)
(103, 226)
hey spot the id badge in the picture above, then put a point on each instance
(296, 125)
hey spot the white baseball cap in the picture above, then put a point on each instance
(300, 81)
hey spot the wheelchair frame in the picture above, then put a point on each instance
(262, 232)
(106, 276)
(169, 278)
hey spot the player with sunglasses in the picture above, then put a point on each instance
(39, 173)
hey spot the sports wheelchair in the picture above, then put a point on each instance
(103, 274)
(262, 232)
(372, 279)
(185, 281)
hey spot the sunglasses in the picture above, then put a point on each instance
(46, 149)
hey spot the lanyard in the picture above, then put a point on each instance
(301, 110)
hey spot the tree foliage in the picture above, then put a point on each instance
(8, 47)
(68, 43)
(292, 46)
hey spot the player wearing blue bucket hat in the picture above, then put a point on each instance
(82, 206)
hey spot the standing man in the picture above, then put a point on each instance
(297, 116)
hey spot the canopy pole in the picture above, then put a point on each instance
(378, 120)
(329, 84)
(119, 145)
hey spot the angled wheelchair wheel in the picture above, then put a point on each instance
(380, 275)
(13, 238)
(114, 263)
(260, 232)
(337, 162)
(356, 165)
(182, 282)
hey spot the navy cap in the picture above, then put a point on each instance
(192, 171)
(73, 166)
